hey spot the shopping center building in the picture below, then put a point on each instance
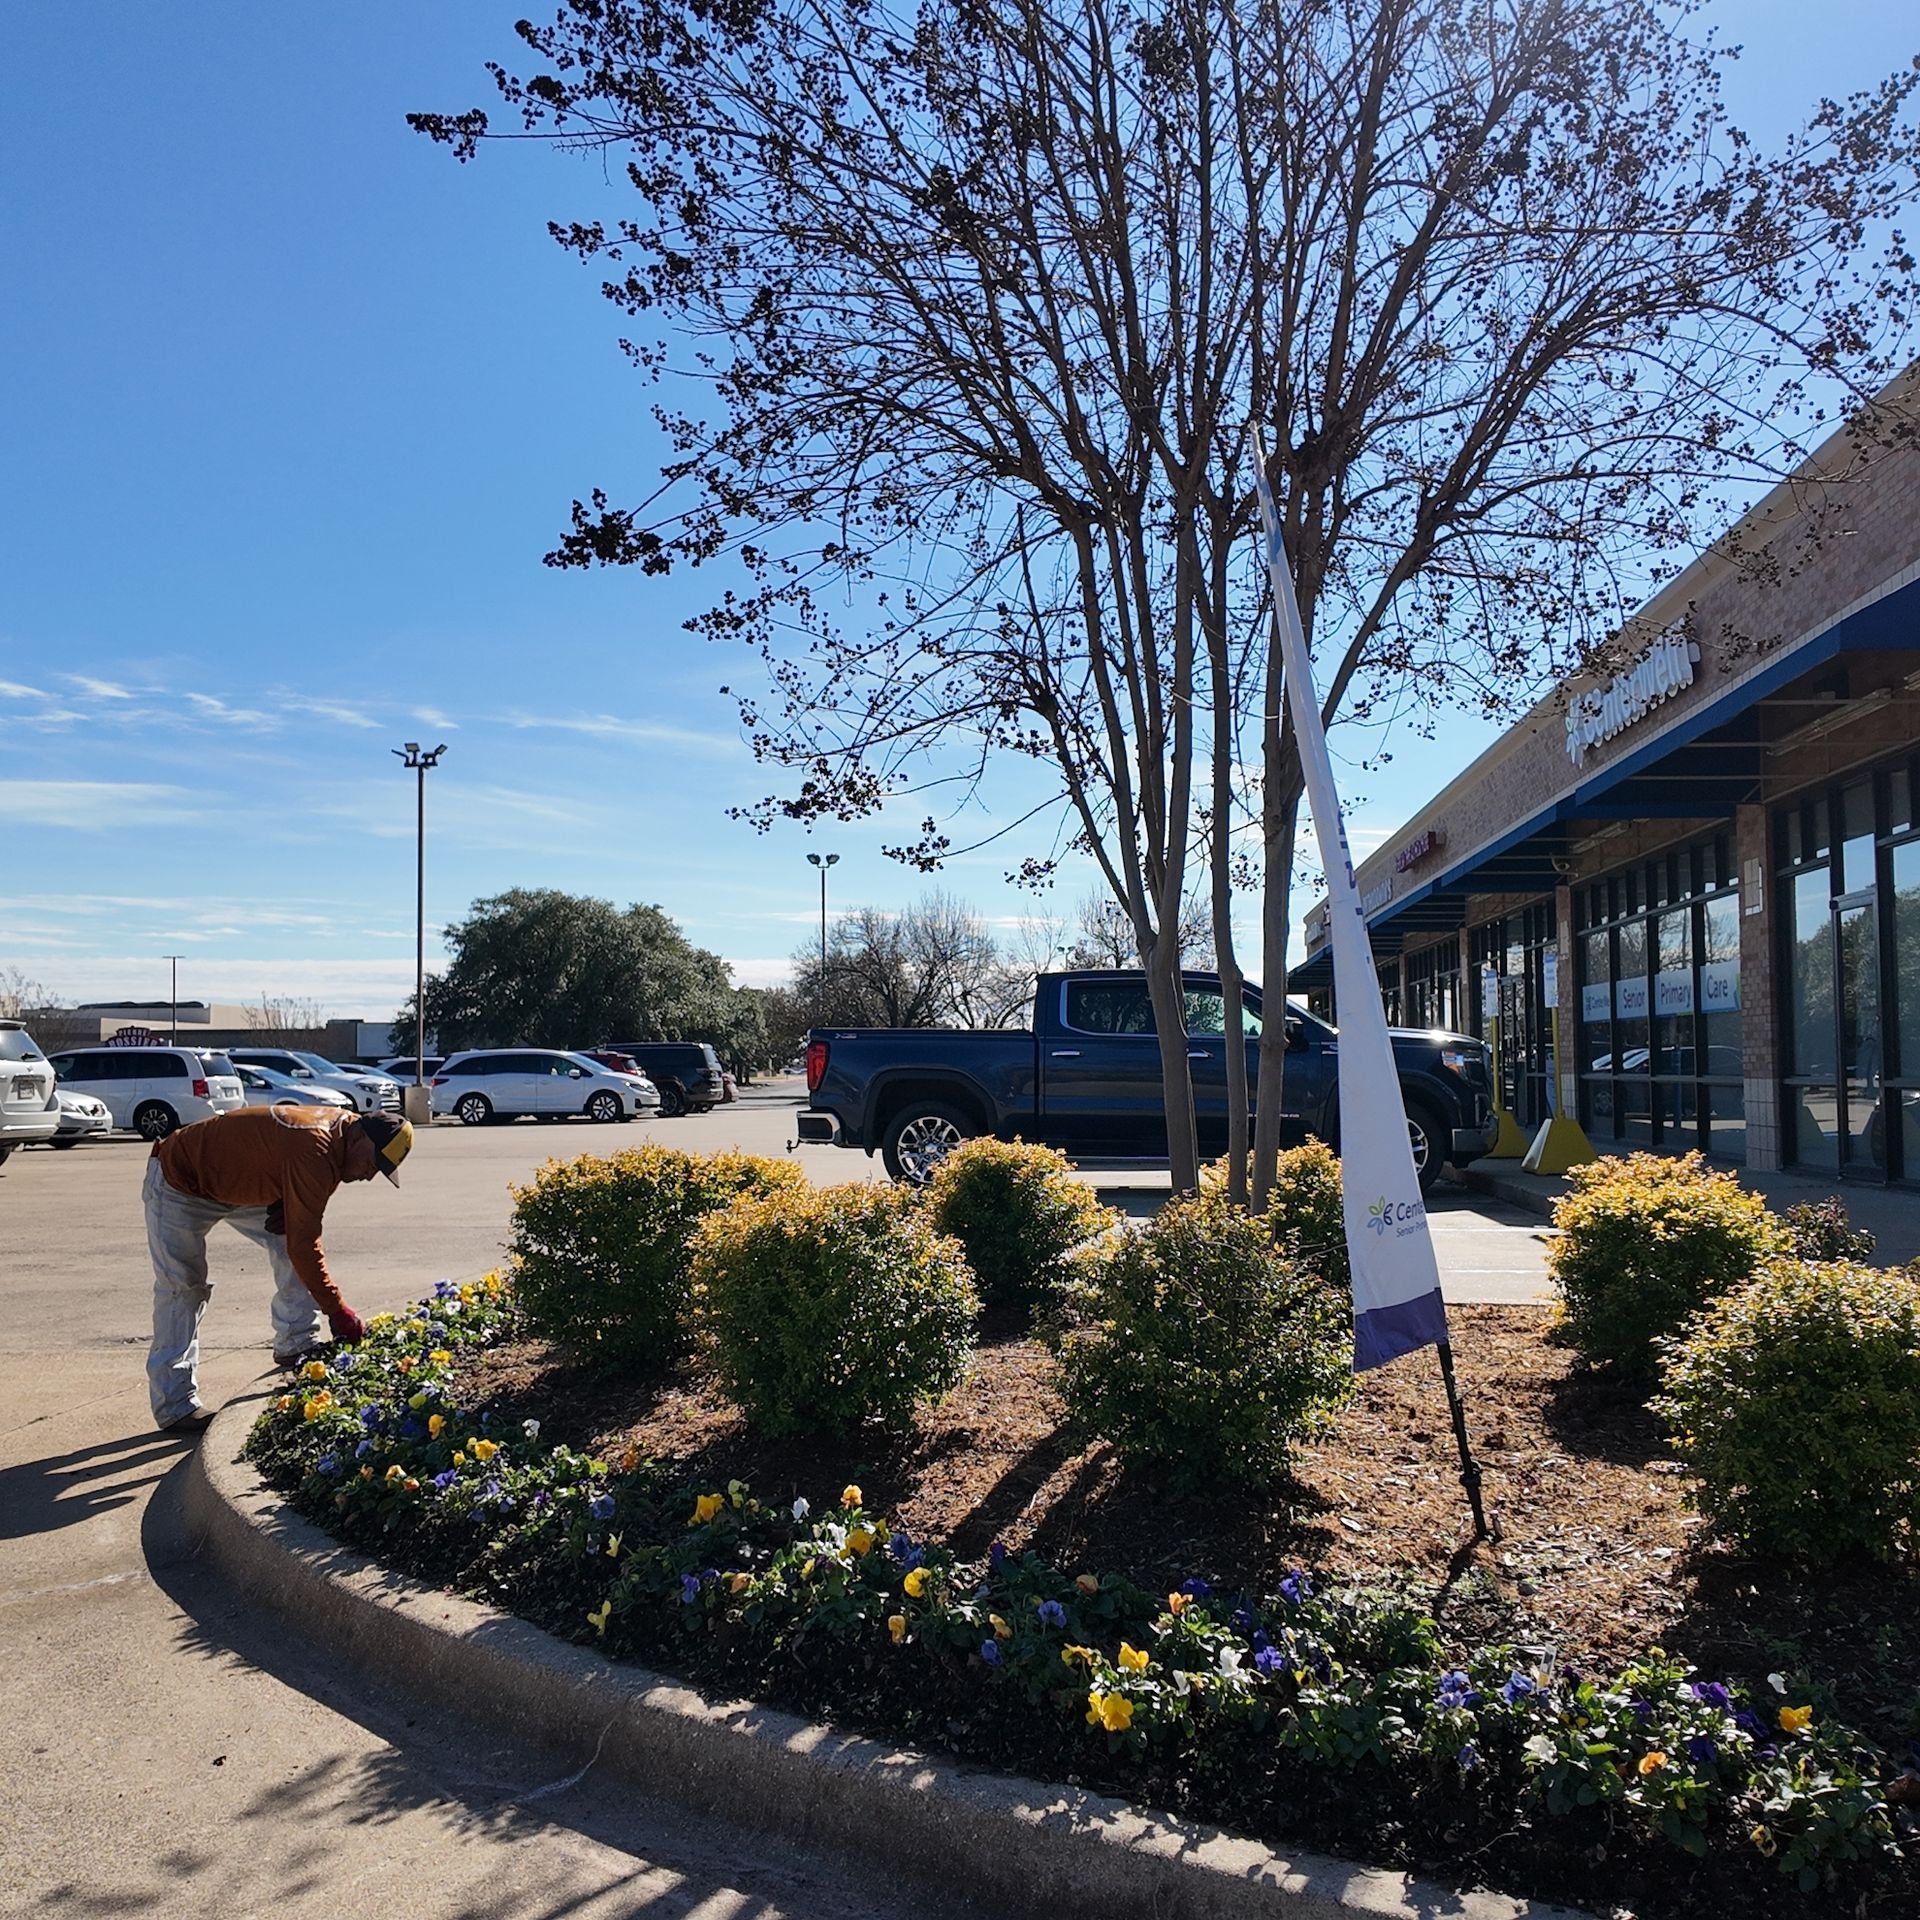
(1709, 847)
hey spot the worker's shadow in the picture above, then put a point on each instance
(41, 1496)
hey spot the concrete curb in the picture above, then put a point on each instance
(1007, 1845)
(1516, 1191)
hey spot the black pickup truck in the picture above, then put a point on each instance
(1086, 1078)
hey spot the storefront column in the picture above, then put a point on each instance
(1566, 1095)
(1759, 1029)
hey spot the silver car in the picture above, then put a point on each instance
(501, 1083)
(368, 1093)
(82, 1117)
(266, 1088)
(27, 1109)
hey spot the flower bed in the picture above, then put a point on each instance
(1328, 1717)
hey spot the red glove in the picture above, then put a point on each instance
(348, 1327)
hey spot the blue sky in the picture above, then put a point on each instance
(293, 405)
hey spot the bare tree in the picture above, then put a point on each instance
(932, 965)
(286, 1013)
(985, 293)
(20, 993)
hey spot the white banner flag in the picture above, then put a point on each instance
(1396, 1280)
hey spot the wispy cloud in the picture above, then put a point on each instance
(433, 717)
(15, 690)
(335, 710)
(217, 709)
(88, 806)
(100, 689)
(612, 726)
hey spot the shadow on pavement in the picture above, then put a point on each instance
(41, 1496)
(547, 1819)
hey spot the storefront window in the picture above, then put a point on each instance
(1810, 977)
(1860, 1036)
(1906, 960)
(1719, 1023)
(1673, 994)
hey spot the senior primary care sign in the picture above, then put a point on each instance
(1396, 1279)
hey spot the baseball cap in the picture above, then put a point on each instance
(392, 1141)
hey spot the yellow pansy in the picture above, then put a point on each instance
(1001, 1631)
(285, 1403)
(436, 1425)
(613, 1547)
(915, 1583)
(806, 1572)
(1088, 1583)
(314, 1370)
(599, 1617)
(459, 1459)
(1795, 1719)
(484, 1450)
(1069, 1654)
(1114, 1711)
(1177, 1603)
(396, 1473)
(1132, 1658)
(850, 1497)
(860, 1542)
(1651, 1763)
(897, 1626)
(441, 1357)
(706, 1507)
(318, 1405)
(381, 1320)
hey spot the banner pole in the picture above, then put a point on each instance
(1469, 1466)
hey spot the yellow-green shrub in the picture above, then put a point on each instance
(1018, 1211)
(1645, 1241)
(1200, 1345)
(600, 1245)
(828, 1307)
(1303, 1209)
(1796, 1399)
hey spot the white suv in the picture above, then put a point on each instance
(152, 1090)
(28, 1110)
(370, 1093)
(502, 1083)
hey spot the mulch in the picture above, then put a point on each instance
(1598, 1556)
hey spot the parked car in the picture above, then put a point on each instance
(267, 1088)
(368, 1092)
(152, 1090)
(28, 1112)
(82, 1117)
(687, 1072)
(402, 1069)
(502, 1083)
(1086, 1078)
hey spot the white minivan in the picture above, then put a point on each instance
(28, 1111)
(152, 1090)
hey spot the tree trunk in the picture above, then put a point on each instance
(1275, 914)
(1176, 1072)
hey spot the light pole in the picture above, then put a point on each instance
(173, 1003)
(823, 861)
(418, 1108)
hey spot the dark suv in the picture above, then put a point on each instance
(687, 1072)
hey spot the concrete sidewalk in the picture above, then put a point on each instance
(1890, 1214)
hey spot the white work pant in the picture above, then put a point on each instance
(177, 1229)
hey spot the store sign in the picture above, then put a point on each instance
(133, 1037)
(1720, 987)
(1595, 1003)
(1630, 997)
(1673, 992)
(1550, 978)
(1377, 895)
(1418, 848)
(1661, 672)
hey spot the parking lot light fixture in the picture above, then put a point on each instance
(823, 861)
(420, 764)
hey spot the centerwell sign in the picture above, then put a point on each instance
(1659, 673)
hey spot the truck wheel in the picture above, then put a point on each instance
(1427, 1136)
(919, 1137)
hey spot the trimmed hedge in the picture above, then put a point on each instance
(601, 1247)
(1199, 1346)
(828, 1307)
(1303, 1717)
(1018, 1211)
(1796, 1399)
(1645, 1241)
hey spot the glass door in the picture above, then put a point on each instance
(1863, 1147)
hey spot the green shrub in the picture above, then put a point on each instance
(600, 1245)
(1304, 1210)
(1200, 1345)
(1796, 1399)
(1018, 1211)
(829, 1307)
(1820, 1230)
(1645, 1241)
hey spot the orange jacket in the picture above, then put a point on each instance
(293, 1157)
